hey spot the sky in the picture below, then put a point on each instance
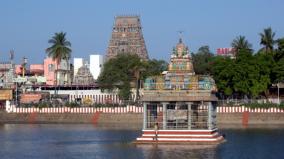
(26, 25)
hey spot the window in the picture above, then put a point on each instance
(50, 68)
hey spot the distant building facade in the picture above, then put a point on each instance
(226, 52)
(96, 64)
(127, 37)
(30, 76)
(57, 73)
(6, 74)
(77, 62)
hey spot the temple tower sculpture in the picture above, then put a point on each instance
(84, 76)
(179, 106)
(127, 37)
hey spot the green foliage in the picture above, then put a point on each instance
(124, 91)
(240, 43)
(278, 71)
(279, 52)
(60, 47)
(37, 105)
(72, 104)
(100, 105)
(223, 73)
(267, 39)
(247, 75)
(280, 44)
(202, 60)
(154, 67)
(264, 105)
(119, 72)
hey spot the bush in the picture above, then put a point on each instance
(72, 104)
(107, 105)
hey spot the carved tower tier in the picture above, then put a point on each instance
(127, 37)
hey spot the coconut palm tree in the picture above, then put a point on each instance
(267, 39)
(240, 43)
(59, 49)
(280, 43)
(280, 50)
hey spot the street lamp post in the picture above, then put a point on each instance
(16, 103)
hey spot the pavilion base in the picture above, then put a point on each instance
(195, 137)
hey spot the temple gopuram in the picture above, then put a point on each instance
(84, 77)
(179, 106)
(127, 37)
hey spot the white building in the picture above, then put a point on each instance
(78, 62)
(96, 95)
(96, 64)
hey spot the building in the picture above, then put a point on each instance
(77, 93)
(57, 73)
(226, 52)
(34, 75)
(179, 106)
(127, 37)
(84, 76)
(96, 64)
(6, 95)
(78, 62)
(6, 74)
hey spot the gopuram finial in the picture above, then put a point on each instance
(180, 36)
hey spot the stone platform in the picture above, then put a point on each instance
(180, 137)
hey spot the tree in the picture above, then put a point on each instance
(278, 71)
(202, 60)
(240, 43)
(223, 72)
(280, 50)
(59, 49)
(267, 39)
(248, 75)
(118, 72)
(264, 63)
(280, 44)
(154, 67)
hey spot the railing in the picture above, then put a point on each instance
(238, 102)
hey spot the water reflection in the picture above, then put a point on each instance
(154, 151)
(21, 141)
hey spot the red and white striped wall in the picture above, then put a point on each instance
(134, 109)
(128, 109)
(242, 109)
(98, 98)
